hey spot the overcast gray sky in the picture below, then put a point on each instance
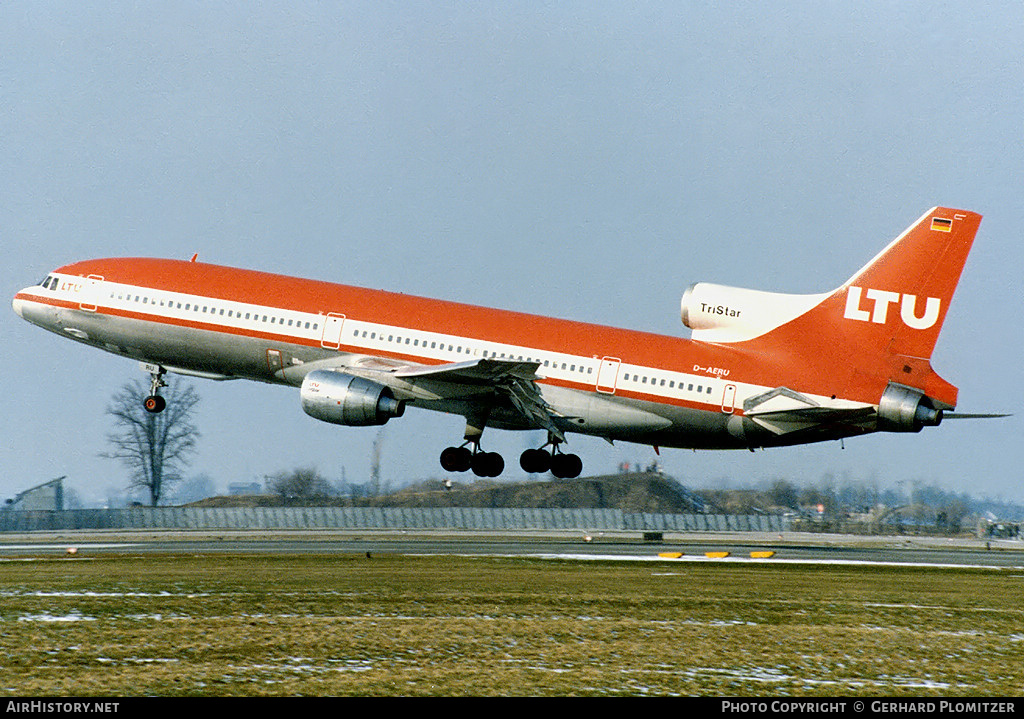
(583, 160)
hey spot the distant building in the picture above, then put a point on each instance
(48, 496)
(239, 488)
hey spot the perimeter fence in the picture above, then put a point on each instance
(454, 518)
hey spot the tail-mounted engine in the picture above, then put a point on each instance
(905, 409)
(346, 399)
(717, 313)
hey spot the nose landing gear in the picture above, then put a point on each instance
(154, 403)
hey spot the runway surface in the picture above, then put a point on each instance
(689, 547)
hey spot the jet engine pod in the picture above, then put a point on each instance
(905, 409)
(342, 398)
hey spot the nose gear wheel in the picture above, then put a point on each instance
(154, 403)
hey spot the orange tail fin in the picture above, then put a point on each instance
(898, 301)
(882, 324)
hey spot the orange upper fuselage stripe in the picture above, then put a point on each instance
(292, 339)
(398, 310)
(783, 367)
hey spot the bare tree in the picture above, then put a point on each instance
(155, 447)
(782, 494)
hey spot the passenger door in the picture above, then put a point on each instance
(333, 324)
(608, 374)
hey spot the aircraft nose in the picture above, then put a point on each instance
(28, 309)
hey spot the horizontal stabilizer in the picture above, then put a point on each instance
(782, 411)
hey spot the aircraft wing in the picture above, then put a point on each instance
(483, 381)
(514, 381)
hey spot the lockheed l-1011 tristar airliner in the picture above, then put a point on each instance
(761, 369)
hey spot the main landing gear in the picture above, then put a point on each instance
(563, 466)
(483, 464)
(154, 403)
(491, 464)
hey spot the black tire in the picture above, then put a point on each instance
(566, 466)
(497, 464)
(456, 459)
(154, 404)
(488, 464)
(535, 461)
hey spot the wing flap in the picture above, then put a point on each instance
(478, 371)
(511, 380)
(487, 379)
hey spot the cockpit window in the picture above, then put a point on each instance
(49, 283)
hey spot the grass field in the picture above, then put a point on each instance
(453, 626)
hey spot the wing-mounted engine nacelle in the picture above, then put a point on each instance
(346, 399)
(905, 409)
(718, 313)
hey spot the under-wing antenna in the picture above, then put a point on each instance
(194, 257)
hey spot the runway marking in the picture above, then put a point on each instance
(773, 560)
(65, 547)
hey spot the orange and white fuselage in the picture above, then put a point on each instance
(762, 369)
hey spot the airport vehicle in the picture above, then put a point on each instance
(761, 369)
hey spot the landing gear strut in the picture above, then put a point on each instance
(154, 403)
